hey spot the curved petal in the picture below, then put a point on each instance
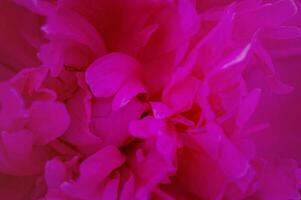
(47, 121)
(106, 75)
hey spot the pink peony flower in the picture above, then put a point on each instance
(152, 99)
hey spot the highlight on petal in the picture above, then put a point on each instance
(160, 110)
(126, 93)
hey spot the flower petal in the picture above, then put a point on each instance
(126, 93)
(106, 75)
(48, 121)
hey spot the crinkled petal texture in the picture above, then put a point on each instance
(152, 99)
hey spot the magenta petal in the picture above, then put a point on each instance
(106, 75)
(48, 120)
(99, 165)
(18, 145)
(279, 181)
(128, 189)
(283, 32)
(160, 110)
(111, 189)
(150, 99)
(181, 96)
(113, 128)
(221, 149)
(11, 106)
(70, 25)
(248, 106)
(55, 173)
(267, 15)
(147, 127)
(79, 133)
(126, 93)
(19, 35)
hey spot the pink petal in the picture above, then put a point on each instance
(181, 96)
(93, 171)
(248, 106)
(17, 51)
(106, 75)
(160, 110)
(18, 145)
(11, 107)
(48, 121)
(111, 189)
(267, 15)
(101, 164)
(79, 133)
(147, 127)
(68, 24)
(113, 128)
(128, 189)
(126, 93)
(55, 173)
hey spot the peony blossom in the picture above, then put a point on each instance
(150, 99)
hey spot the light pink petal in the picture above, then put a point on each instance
(48, 121)
(106, 75)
